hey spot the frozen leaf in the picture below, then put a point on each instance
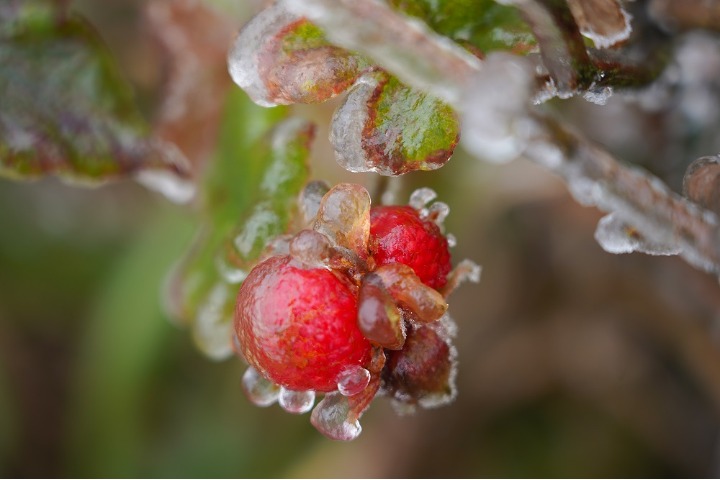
(279, 59)
(250, 195)
(195, 63)
(605, 22)
(480, 25)
(389, 128)
(66, 110)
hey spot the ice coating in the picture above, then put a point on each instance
(312, 248)
(616, 236)
(348, 123)
(353, 380)
(344, 217)
(212, 329)
(496, 108)
(174, 187)
(379, 318)
(465, 271)
(426, 303)
(332, 418)
(605, 22)
(701, 183)
(437, 213)
(259, 391)
(421, 197)
(243, 59)
(296, 402)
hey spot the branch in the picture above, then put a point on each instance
(497, 96)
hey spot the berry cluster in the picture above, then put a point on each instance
(352, 306)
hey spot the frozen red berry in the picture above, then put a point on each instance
(399, 235)
(298, 326)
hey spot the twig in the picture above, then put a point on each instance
(427, 61)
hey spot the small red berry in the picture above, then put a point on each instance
(298, 326)
(399, 235)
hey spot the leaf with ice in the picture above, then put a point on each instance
(483, 25)
(244, 205)
(67, 111)
(387, 127)
(279, 59)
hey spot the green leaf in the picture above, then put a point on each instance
(65, 108)
(482, 25)
(250, 196)
(280, 59)
(387, 127)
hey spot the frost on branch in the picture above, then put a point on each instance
(605, 22)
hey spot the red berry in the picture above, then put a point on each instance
(298, 326)
(399, 235)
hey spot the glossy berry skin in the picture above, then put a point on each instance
(399, 235)
(297, 326)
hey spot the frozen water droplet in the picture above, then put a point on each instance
(332, 418)
(212, 330)
(702, 182)
(353, 380)
(438, 212)
(615, 236)
(421, 197)
(258, 390)
(296, 402)
(311, 248)
(598, 95)
(451, 239)
(310, 199)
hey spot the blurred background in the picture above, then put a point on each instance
(572, 362)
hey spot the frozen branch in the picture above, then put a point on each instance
(499, 121)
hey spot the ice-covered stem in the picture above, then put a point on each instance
(561, 45)
(687, 14)
(428, 61)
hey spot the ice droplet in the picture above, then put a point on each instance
(496, 108)
(598, 95)
(259, 391)
(331, 418)
(438, 212)
(701, 183)
(312, 248)
(353, 380)
(212, 330)
(348, 123)
(421, 197)
(296, 402)
(451, 239)
(615, 236)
